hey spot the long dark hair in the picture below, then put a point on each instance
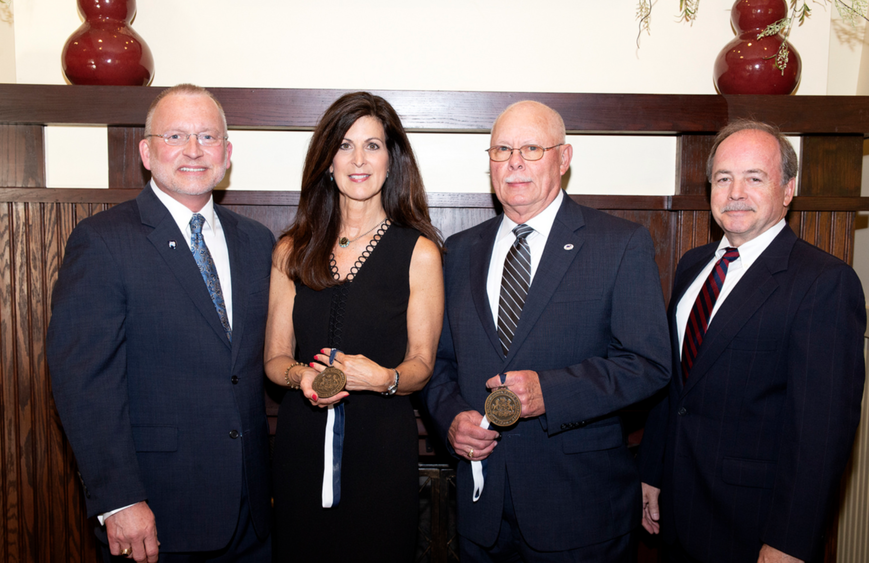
(318, 218)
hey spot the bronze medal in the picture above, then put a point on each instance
(329, 382)
(503, 407)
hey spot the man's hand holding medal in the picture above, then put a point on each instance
(515, 395)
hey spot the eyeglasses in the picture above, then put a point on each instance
(177, 139)
(501, 153)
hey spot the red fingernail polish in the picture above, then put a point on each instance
(311, 364)
(314, 396)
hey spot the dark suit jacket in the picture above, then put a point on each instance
(752, 448)
(156, 402)
(594, 329)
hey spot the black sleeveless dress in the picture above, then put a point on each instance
(376, 518)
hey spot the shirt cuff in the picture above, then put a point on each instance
(102, 517)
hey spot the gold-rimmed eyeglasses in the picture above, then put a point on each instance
(177, 139)
(501, 153)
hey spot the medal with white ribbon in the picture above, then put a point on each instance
(334, 445)
(502, 409)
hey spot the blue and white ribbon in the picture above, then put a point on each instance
(333, 450)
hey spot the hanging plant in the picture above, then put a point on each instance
(850, 11)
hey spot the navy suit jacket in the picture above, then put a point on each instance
(594, 329)
(752, 448)
(156, 402)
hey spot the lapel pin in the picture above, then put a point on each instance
(568, 247)
(172, 244)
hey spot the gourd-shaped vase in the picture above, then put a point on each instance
(746, 65)
(105, 49)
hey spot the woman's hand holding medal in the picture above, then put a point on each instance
(338, 373)
(324, 385)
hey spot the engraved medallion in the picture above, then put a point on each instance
(329, 382)
(503, 407)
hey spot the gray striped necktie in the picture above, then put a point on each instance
(514, 286)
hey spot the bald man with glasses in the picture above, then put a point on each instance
(561, 305)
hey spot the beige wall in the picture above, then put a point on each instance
(563, 45)
(7, 44)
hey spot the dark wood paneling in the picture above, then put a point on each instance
(125, 165)
(40, 492)
(831, 231)
(831, 165)
(691, 154)
(22, 156)
(9, 474)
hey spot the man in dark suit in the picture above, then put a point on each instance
(155, 348)
(742, 459)
(589, 339)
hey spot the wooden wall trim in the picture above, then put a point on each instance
(279, 108)
(435, 199)
(22, 155)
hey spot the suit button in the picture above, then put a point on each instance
(581, 424)
(234, 434)
(234, 379)
(682, 412)
(565, 426)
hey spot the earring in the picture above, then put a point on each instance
(387, 173)
(331, 179)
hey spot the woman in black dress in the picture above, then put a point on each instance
(356, 284)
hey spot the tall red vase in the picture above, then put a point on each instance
(746, 65)
(105, 49)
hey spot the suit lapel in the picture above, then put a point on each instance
(178, 258)
(236, 241)
(479, 256)
(563, 245)
(749, 295)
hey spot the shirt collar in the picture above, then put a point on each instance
(180, 212)
(541, 223)
(749, 251)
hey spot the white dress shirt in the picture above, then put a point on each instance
(504, 239)
(212, 232)
(748, 253)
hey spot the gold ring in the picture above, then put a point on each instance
(126, 551)
(471, 453)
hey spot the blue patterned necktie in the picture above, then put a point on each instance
(208, 271)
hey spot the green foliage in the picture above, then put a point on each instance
(851, 11)
(688, 10)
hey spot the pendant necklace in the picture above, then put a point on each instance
(343, 242)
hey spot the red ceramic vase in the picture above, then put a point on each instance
(746, 65)
(104, 49)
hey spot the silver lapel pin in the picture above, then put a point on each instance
(568, 247)
(172, 244)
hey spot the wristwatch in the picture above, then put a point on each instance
(394, 386)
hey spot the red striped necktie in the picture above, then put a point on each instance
(698, 322)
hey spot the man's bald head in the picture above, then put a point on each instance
(546, 117)
(526, 187)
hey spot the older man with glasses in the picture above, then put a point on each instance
(554, 322)
(156, 353)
